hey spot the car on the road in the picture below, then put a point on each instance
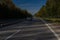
(29, 18)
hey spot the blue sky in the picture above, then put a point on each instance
(31, 6)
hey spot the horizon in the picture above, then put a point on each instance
(32, 6)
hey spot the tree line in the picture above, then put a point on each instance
(9, 10)
(51, 9)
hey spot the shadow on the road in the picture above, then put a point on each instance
(8, 22)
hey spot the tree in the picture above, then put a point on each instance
(9, 10)
(51, 9)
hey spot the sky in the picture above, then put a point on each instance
(32, 6)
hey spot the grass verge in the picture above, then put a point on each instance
(52, 20)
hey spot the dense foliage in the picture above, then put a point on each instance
(51, 9)
(9, 10)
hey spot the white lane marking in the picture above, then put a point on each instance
(12, 35)
(30, 34)
(55, 34)
(29, 26)
(1, 32)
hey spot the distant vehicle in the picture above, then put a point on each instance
(29, 18)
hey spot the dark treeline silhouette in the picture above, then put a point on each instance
(50, 10)
(9, 10)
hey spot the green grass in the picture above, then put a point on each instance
(54, 20)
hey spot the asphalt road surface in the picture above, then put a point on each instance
(30, 30)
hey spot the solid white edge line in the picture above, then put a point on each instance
(55, 34)
(12, 35)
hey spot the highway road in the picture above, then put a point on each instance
(31, 30)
